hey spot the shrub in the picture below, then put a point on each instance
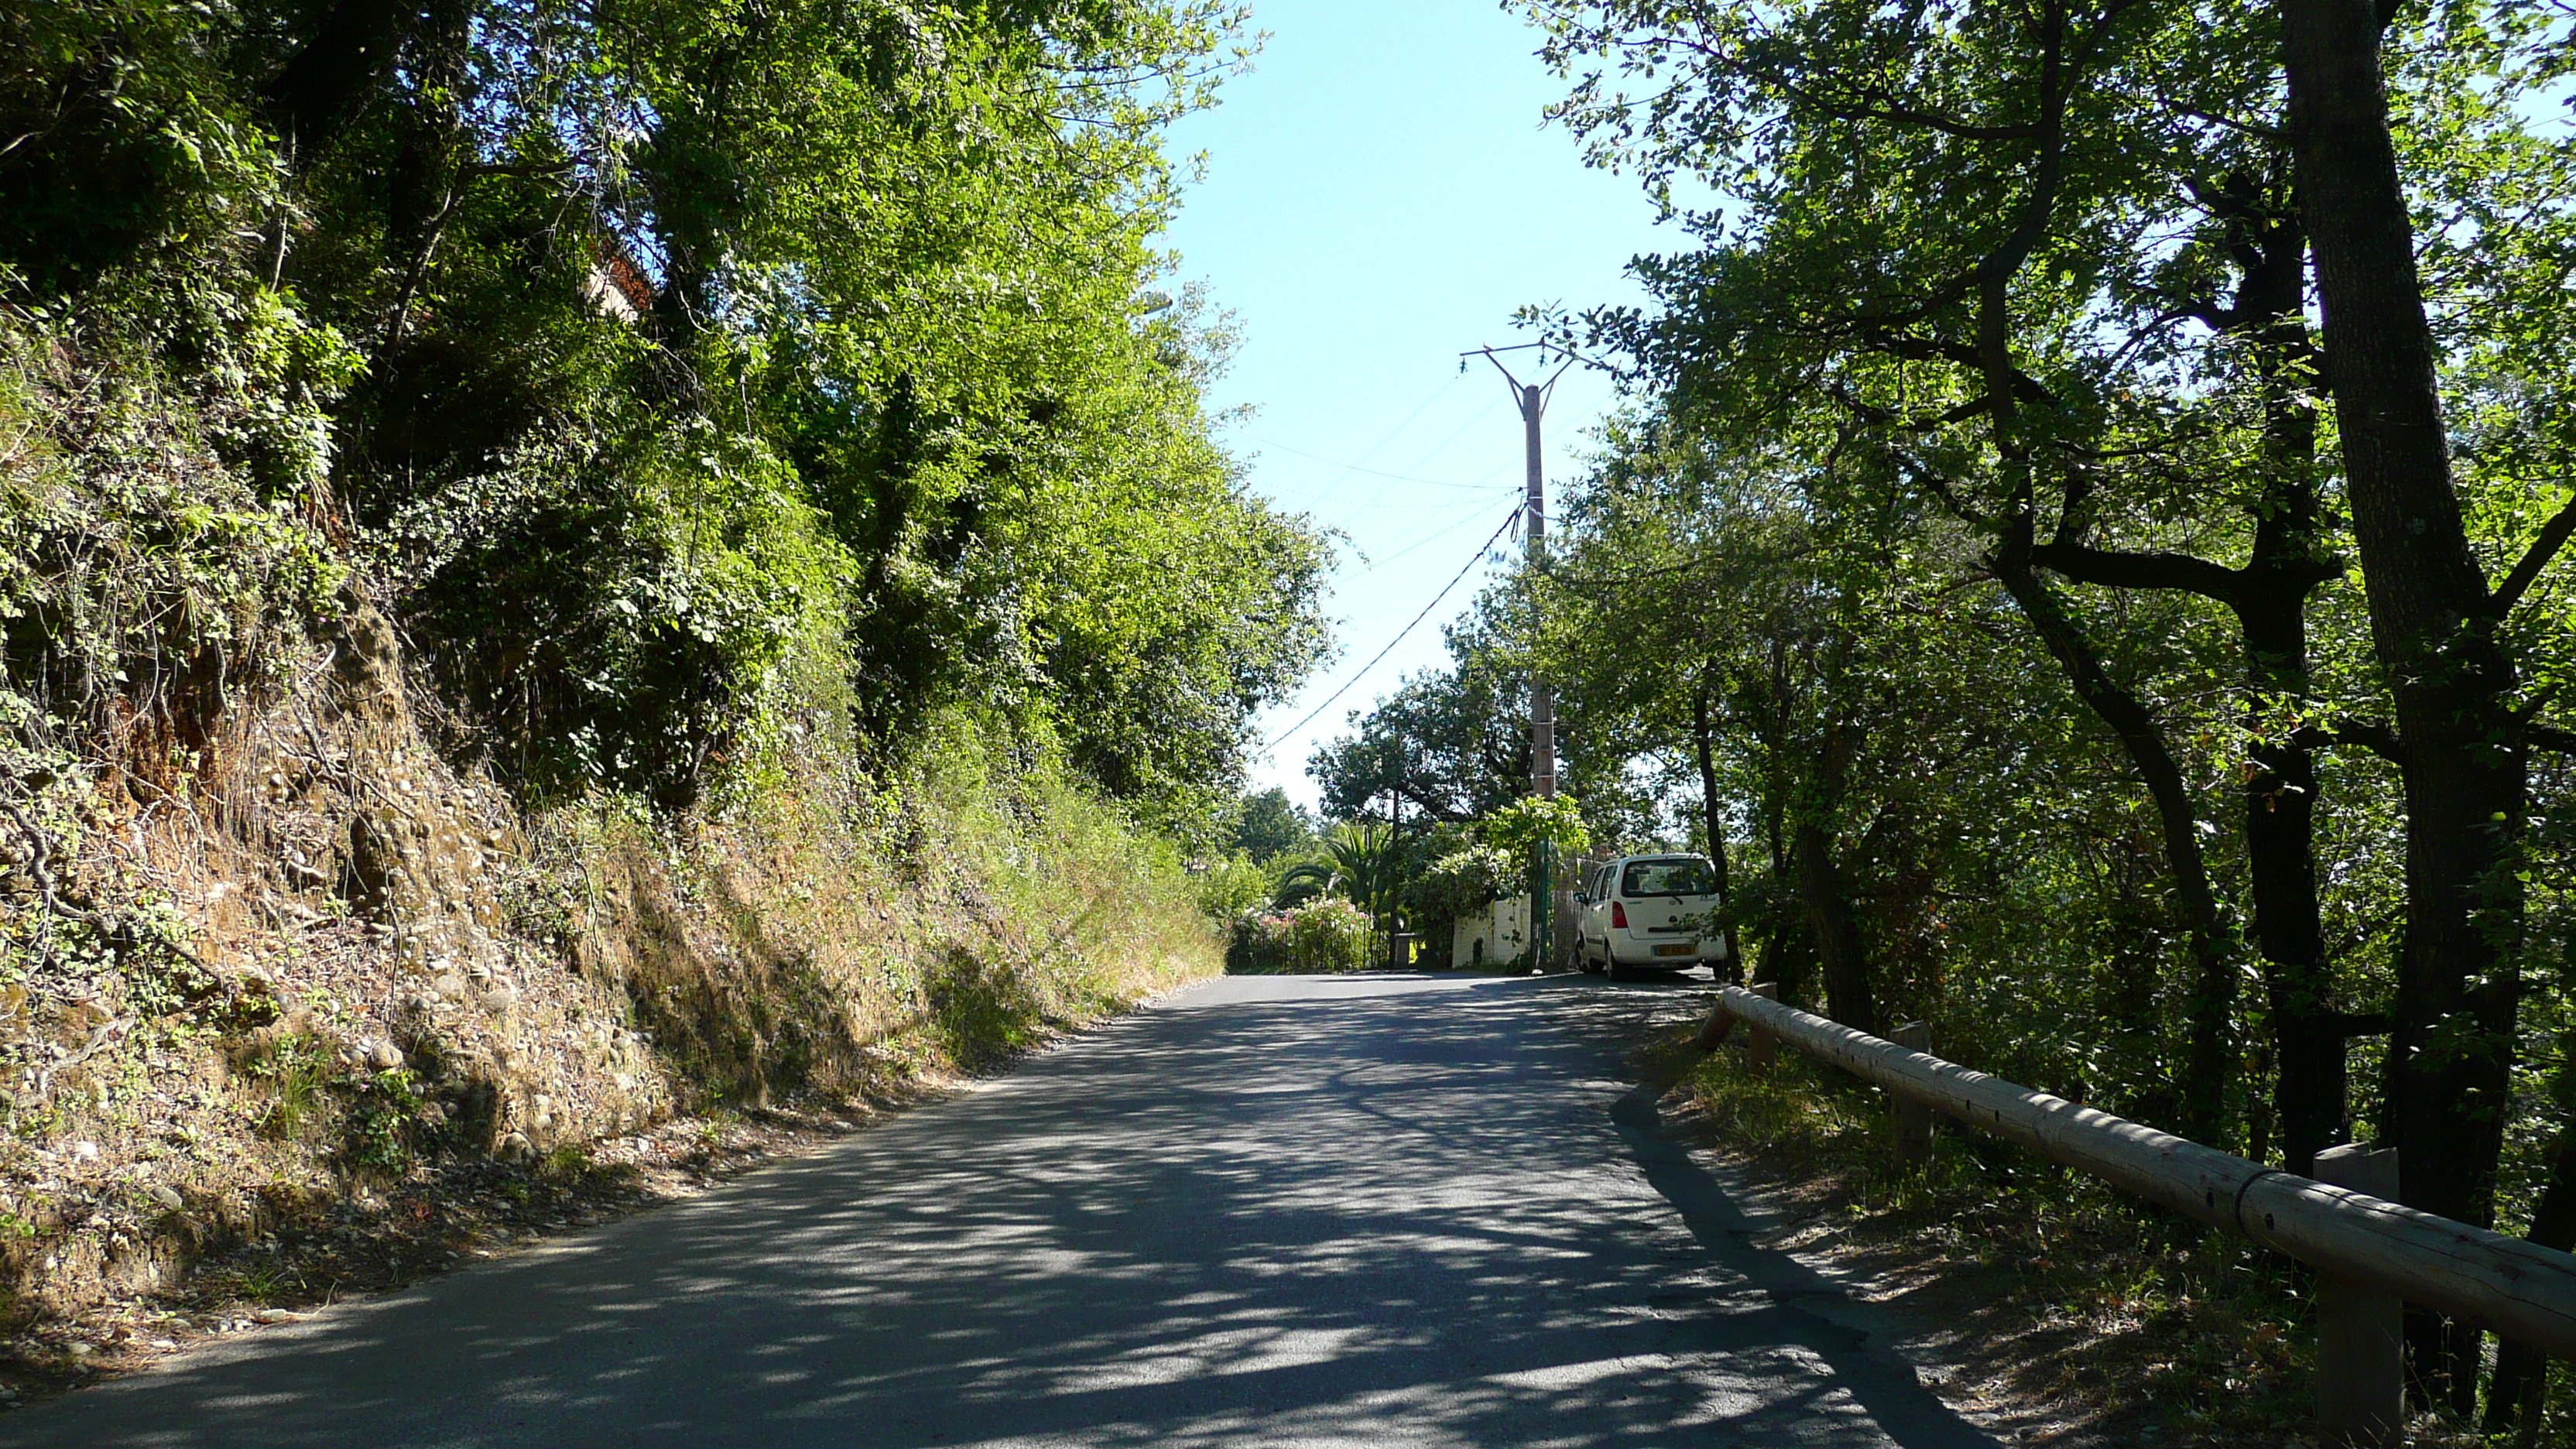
(1468, 880)
(1329, 934)
(1320, 935)
(1232, 886)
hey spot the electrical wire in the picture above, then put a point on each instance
(1443, 445)
(1356, 468)
(1473, 560)
(1492, 493)
(1421, 543)
(1348, 468)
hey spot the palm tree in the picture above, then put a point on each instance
(1365, 862)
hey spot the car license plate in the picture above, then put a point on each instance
(1675, 950)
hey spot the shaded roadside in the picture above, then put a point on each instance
(316, 1249)
(2036, 1301)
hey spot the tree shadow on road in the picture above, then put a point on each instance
(1390, 1210)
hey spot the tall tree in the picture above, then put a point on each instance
(2459, 743)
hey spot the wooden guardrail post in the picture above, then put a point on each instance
(1760, 1046)
(2361, 1354)
(1913, 1117)
(1719, 1026)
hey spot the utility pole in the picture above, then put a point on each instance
(1394, 833)
(1532, 399)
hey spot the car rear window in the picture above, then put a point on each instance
(1682, 877)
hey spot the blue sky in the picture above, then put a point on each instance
(1380, 195)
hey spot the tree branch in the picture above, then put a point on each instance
(1935, 349)
(2119, 570)
(2246, 128)
(2370, 734)
(2551, 738)
(2553, 537)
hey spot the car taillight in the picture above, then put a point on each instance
(1618, 916)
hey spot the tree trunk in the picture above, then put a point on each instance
(2208, 1055)
(2280, 853)
(2451, 1048)
(1835, 930)
(2134, 920)
(2289, 560)
(1713, 812)
(1825, 896)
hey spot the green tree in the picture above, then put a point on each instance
(2044, 271)
(1271, 825)
(721, 376)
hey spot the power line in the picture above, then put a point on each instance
(1284, 496)
(1348, 468)
(1443, 445)
(1478, 557)
(1410, 546)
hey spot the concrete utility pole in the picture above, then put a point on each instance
(1532, 398)
(1534, 517)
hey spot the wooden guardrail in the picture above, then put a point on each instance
(2368, 1252)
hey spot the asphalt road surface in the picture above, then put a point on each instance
(1270, 1211)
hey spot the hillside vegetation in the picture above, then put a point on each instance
(561, 564)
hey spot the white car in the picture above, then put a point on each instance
(1647, 910)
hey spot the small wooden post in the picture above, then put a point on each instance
(1913, 1119)
(1761, 1046)
(2361, 1357)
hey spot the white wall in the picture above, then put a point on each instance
(1502, 927)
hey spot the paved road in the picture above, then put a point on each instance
(1271, 1211)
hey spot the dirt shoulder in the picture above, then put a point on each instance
(2036, 1302)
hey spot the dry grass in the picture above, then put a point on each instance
(826, 947)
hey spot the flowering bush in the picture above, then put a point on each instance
(1468, 880)
(1327, 933)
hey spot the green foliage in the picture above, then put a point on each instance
(1271, 825)
(1232, 886)
(1468, 880)
(131, 143)
(298, 1070)
(144, 580)
(690, 383)
(1453, 743)
(1363, 861)
(389, 1121)
(1518, 828)
(1325, 934)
